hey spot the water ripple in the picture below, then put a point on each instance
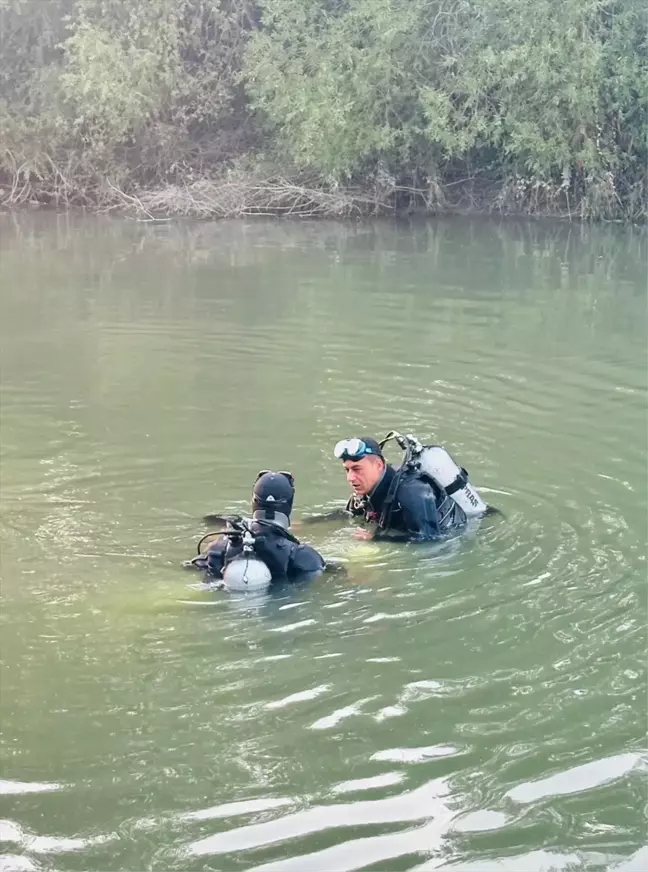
(413, 805)
(578, 779)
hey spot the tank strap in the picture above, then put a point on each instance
(460, 481)
(388, 505)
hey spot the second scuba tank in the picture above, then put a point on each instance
(435, 461)
(247, 572)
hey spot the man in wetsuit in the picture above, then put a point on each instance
(284, 555)
(401, 504)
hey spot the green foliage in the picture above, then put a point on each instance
(130, 90)
(545, 100)
(331, 80)
(538, 90)
(112, 88)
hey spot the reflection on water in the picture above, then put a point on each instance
(475, 706)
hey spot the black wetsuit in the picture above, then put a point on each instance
(412, 509)
(284, 555)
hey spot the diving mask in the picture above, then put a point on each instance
(355, 449)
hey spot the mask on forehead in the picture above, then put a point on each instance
(356, 449)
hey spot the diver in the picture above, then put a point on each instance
(250, 553)
(427, 497)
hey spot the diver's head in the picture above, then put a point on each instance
(272, 497)
(363, 461)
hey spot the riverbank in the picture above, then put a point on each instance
(236, 194)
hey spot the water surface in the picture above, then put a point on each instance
(477, 707)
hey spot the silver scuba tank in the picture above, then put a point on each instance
(437, 463)
(247, 572)
(434, 461)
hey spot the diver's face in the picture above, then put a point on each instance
(364, 474)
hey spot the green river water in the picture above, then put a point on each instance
(477, 707)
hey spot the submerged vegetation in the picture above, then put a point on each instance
(326, 107)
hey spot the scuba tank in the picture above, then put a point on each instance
(246, 572)
(439, 465)
(435, 462)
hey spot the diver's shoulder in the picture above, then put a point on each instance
(413, 484)
(305, 558)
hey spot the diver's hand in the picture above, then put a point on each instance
(362, 534)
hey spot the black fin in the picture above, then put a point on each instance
(334, 515)
(215, 519)
(492, 510)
